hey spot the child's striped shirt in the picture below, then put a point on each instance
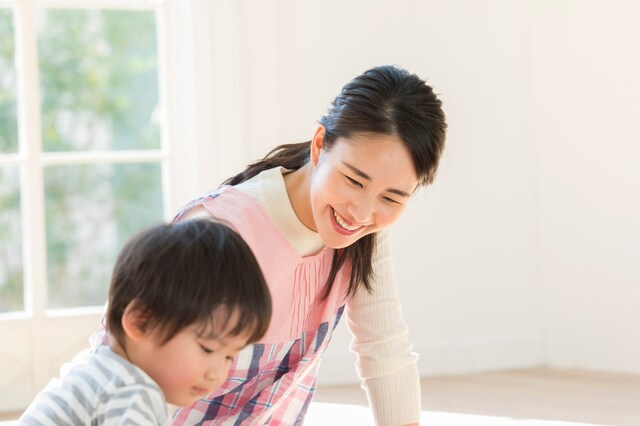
(106, 390)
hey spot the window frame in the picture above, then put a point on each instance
(184, 37)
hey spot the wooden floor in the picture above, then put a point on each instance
(541, 396)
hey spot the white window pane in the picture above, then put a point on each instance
(8, 110)
(11, 284)
(99, 79)
(91, 211)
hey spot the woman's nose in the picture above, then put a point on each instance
(361, 211)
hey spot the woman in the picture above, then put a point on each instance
(315, 216)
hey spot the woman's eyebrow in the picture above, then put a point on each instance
(357, 171)
(367, 177)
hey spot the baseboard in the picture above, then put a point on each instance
(479, 354)
(445, 358)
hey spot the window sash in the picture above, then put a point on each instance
(31, 159)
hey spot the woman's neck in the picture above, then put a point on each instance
(298, 184)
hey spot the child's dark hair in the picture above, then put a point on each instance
(181, 273)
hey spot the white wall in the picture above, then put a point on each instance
(525, 250)
(587, 103)
(467, 250)
(523, 253)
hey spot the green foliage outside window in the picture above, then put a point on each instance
(99, 86)
(91, 211)
(8, 110)
(11, 270)
(99, 92)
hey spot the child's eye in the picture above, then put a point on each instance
(230, 358)
(354, 182)
(206, 350)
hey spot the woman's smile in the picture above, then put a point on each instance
(344, 226)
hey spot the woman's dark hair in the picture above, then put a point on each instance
(186, 273)
(385, 100)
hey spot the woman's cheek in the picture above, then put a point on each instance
(391, 214)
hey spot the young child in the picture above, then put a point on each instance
(184, 299)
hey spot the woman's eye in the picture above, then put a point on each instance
(390, 200)
(354, 182)
(205, 349)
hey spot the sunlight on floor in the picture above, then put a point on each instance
(322, 414)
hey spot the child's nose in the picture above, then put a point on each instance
(217, 373)
(213, 373)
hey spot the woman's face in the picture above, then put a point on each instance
(359, 186)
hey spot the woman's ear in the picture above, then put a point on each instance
(316, 144)
(135, 321)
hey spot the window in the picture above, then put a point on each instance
(11, 269)
(88, 156)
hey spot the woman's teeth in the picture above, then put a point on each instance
(342, 223)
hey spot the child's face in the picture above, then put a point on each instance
(190, 365)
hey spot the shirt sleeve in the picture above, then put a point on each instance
(134, 405)
(385, 362)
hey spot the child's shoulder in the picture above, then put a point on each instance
(101, 373)
(101, 385)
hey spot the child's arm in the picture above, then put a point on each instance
(134, 405)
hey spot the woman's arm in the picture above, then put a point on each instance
(386, 364)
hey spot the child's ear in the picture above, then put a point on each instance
(135, 321)
(316, 145)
